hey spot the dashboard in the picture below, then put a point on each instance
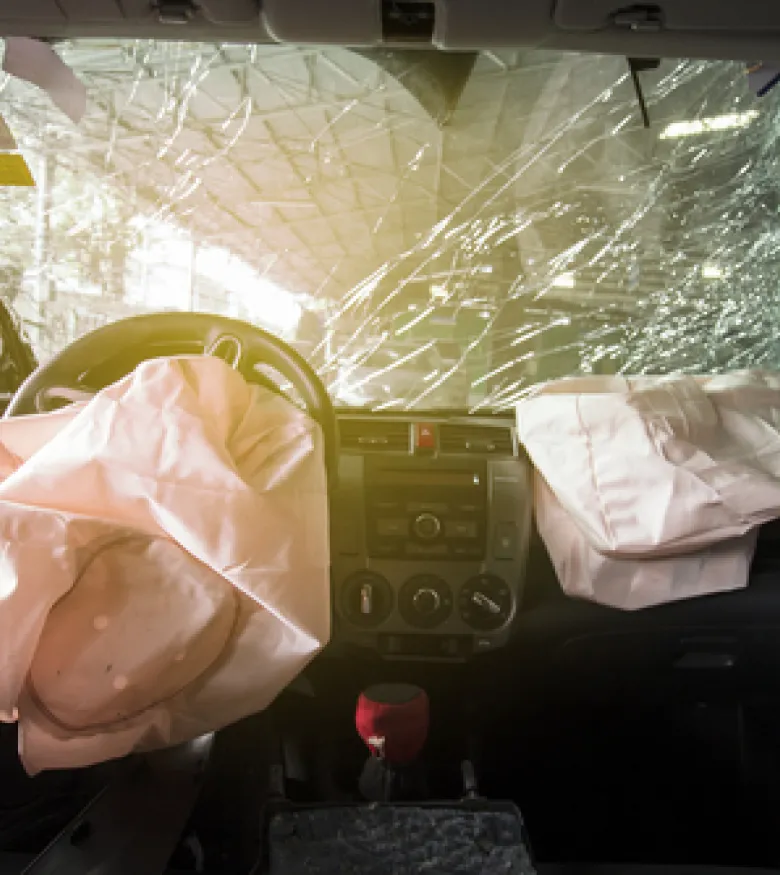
(430, 526)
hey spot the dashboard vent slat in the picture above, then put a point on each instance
(484, 440)
(365, 436)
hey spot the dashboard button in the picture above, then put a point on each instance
(392, 527)
(425, 436)
(460, 528)
(428, 506)
(393, 644)
(413, 549)
(467, 552)
(505, 541)
(345, 536)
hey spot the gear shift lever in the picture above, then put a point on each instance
(392, 719)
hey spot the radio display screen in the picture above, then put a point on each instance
(428, 478)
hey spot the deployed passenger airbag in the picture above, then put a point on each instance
(651, 489)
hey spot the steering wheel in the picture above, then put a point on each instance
(81, 369)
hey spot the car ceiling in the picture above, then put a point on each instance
(669, 28)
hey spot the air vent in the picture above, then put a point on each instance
(486, 440)
(377, 435)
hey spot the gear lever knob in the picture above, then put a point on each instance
(392, 719)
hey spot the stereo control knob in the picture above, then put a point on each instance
(427, 526)
(426, 601)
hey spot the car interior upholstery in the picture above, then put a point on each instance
(632, 742)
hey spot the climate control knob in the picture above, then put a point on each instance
(427, 526)
(486, 603)
(425, 601)
(366, 599)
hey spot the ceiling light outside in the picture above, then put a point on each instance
(712, 271)
(694, 127)
(564, 281)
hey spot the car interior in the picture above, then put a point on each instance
(630, 741)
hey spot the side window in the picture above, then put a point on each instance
(17, 360)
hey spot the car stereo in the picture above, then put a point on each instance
(428, 548)
(436, 511)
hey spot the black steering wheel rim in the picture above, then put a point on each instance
(243, 345)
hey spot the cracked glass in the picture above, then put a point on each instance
(431, 231)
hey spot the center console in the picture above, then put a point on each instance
(429, 543)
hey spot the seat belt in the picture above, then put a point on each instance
(133, 826)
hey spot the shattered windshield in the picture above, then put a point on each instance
(430, 231)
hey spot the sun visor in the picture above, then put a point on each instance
(346, 22)
(45, 12)
(751, 16)
(37, 62)
(171, 12)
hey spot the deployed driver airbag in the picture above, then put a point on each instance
(164, 562)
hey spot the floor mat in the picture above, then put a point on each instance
(388, 839)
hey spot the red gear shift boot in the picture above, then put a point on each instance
(392, 719)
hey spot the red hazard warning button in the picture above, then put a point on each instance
(425, 436)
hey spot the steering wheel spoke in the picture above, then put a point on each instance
(229, 348)
(53, 397)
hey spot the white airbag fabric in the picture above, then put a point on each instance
(164, 565)
(651, 489)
